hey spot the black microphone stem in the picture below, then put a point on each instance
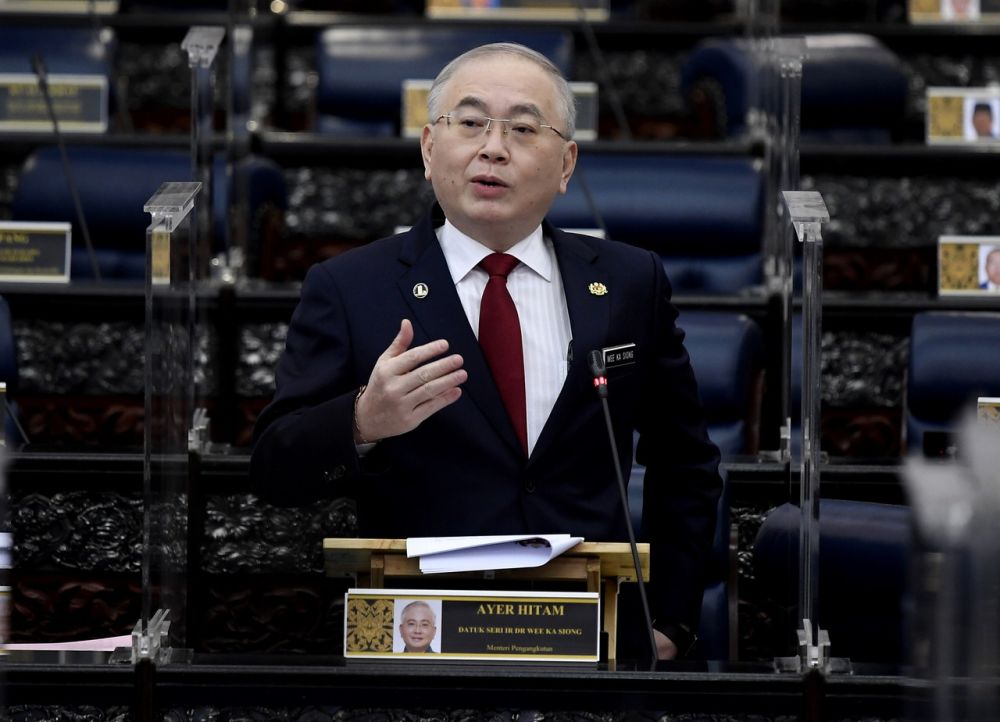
(43, 85)
(628, 525)
(595, 360)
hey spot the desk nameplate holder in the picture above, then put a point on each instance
(601, 566)
(423, 625)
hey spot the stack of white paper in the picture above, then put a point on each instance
(475, 553)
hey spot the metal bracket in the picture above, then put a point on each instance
(814, 654)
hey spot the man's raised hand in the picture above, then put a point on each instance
(407, 386)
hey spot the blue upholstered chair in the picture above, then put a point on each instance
(726, 352)
(78, 50)
(864, 561)
(853, 88)
(361, 69)
(953, 359)
(114, 184)
(702, 215)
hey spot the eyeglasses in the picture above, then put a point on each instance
(524, 130)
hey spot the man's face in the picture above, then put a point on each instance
(417, 628)
(982, 121)
(993, 266)
(494, 187)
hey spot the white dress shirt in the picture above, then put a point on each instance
(536, 287)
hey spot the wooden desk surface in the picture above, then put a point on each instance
(352, 556)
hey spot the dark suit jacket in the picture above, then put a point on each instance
(462, 471)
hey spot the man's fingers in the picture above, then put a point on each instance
(429, 373)
(430, 407)
(417, 356)
(437, 386)
(402, 341)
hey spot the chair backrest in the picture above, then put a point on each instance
(727, 354)
(864, 558)
(114, 184)
(702, 215)
(953, 359)
(361, 69)
(853, 87)
(78, 50)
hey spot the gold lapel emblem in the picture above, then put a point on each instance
(421, 290)
(598, 289)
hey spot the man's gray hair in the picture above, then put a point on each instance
(417, 603)
(565, 100)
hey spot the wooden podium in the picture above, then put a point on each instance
(601, 565)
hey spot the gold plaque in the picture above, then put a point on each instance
(945, 114)
(160, 262)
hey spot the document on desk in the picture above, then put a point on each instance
(479, 553)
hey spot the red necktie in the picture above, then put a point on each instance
(500, 340)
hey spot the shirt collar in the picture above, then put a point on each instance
(463, 253)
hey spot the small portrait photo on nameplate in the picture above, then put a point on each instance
(593, 10)
(424, 625)
(968, 265)
(32, 252)
(960, 116)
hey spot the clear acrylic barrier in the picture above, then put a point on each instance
(806, 212)
(171, 400)
(202, 45)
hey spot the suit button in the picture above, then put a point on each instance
(339, 472)
(529, 486)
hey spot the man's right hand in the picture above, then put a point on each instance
(407, 386)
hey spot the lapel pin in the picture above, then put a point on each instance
(421, 290)
(598, 289)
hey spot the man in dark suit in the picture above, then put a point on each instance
(402, 372)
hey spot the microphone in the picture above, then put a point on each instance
(38, 65)
(595, 359)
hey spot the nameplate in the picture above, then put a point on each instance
(423, 625)
(80, 103)
(69, 7)
(34, 252)
(413, 108)
(592, 10)
(988, 411)
(959, 116)
(968, 265)
(985, 12)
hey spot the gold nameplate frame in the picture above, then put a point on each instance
(435, 625)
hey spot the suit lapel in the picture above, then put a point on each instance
(439, 314)
(589, 317)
